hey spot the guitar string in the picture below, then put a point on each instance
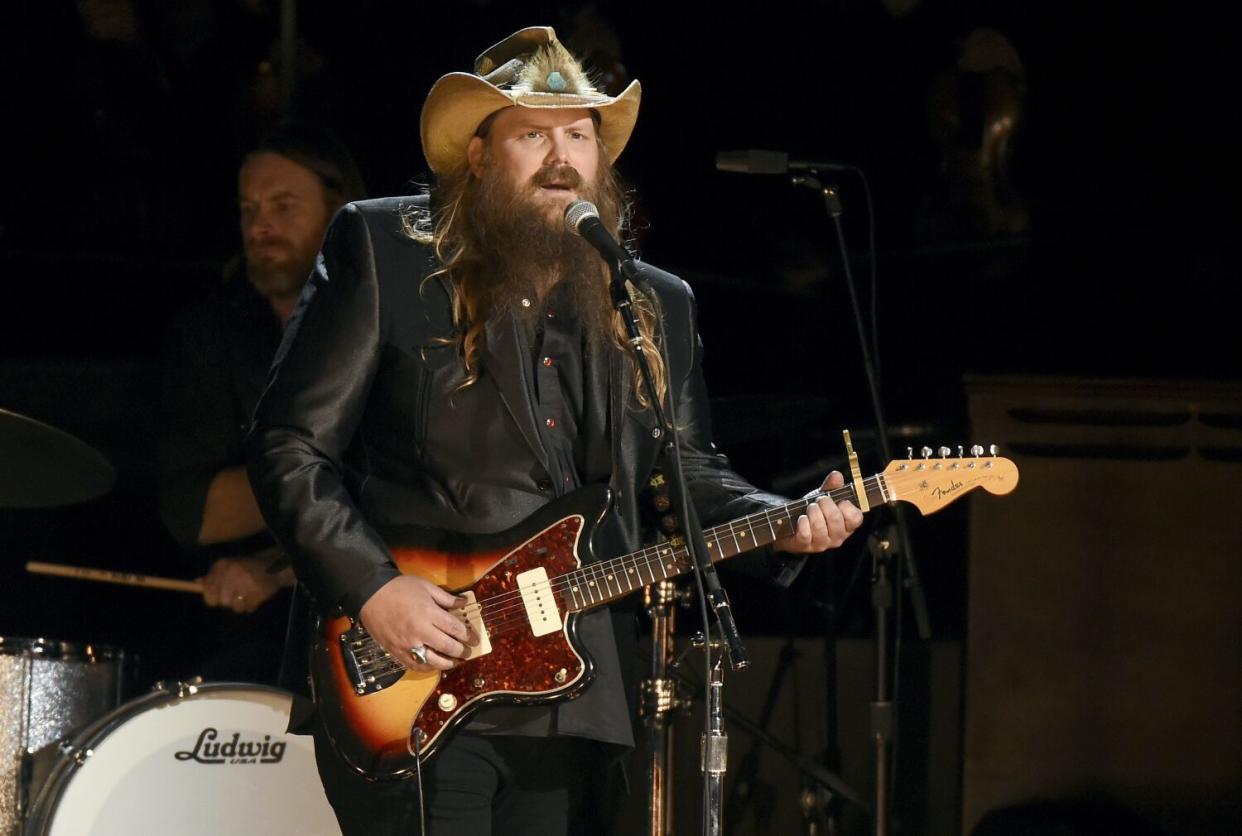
(510, 614)
(501, 620)
(513, 600)
(502, 615)
(735, 530)
(506, 618)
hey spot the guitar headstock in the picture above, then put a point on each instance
(931, 483)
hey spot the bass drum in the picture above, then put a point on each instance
(205, 759)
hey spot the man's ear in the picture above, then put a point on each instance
(474, 155)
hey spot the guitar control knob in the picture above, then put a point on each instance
(447, 702)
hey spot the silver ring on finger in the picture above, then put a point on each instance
(420, 653)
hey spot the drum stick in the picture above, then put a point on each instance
(124, 578)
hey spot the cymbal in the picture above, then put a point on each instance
(43, 467)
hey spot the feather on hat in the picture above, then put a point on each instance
(530, 68)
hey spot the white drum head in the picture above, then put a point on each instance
(216, 762)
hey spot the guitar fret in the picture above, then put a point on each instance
(668, 565)
(596, 583)
(629, 578)
(589, 586)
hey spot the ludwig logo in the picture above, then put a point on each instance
(210, 749)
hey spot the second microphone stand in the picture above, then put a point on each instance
(883, 708)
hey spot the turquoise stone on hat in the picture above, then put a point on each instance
(556, 82)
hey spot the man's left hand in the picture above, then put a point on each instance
(825, 525)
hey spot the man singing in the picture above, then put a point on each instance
(455, 364)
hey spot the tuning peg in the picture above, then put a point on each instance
(910, 453)
(926, 451)
(961, 453)
(944, 452)
(993, 449)
(976, 451)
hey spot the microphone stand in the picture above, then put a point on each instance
(714, 741)
(883, 708)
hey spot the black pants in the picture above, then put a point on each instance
(478, 785)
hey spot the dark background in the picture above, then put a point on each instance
(125, 123)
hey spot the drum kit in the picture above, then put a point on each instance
(77, 759)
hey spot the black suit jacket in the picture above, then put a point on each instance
(363, 426)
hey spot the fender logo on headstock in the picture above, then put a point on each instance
(940, 493)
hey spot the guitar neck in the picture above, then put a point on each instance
(596, 584)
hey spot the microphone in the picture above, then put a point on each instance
(582, 217)
(755, 161)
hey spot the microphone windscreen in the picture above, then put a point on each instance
(579, 211)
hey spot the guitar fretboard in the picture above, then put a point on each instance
(600, 583)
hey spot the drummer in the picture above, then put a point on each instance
(215, 367)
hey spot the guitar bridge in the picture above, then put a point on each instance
(370, 668)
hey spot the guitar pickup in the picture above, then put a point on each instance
(472, 614)
(541, 610)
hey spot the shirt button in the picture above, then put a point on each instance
(551, 314)
(525, 303)
(547, 361)
(551, 422)
(544, 485)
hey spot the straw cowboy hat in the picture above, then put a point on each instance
(530, 68)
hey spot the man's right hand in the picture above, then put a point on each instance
(411, 612)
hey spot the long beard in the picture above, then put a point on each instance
(519, 245)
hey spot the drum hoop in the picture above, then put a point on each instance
(62, 773)
(61, 650)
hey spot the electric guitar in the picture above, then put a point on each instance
(525, 588)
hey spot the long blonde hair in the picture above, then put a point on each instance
(446, 227)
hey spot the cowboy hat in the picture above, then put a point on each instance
(530, 68)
